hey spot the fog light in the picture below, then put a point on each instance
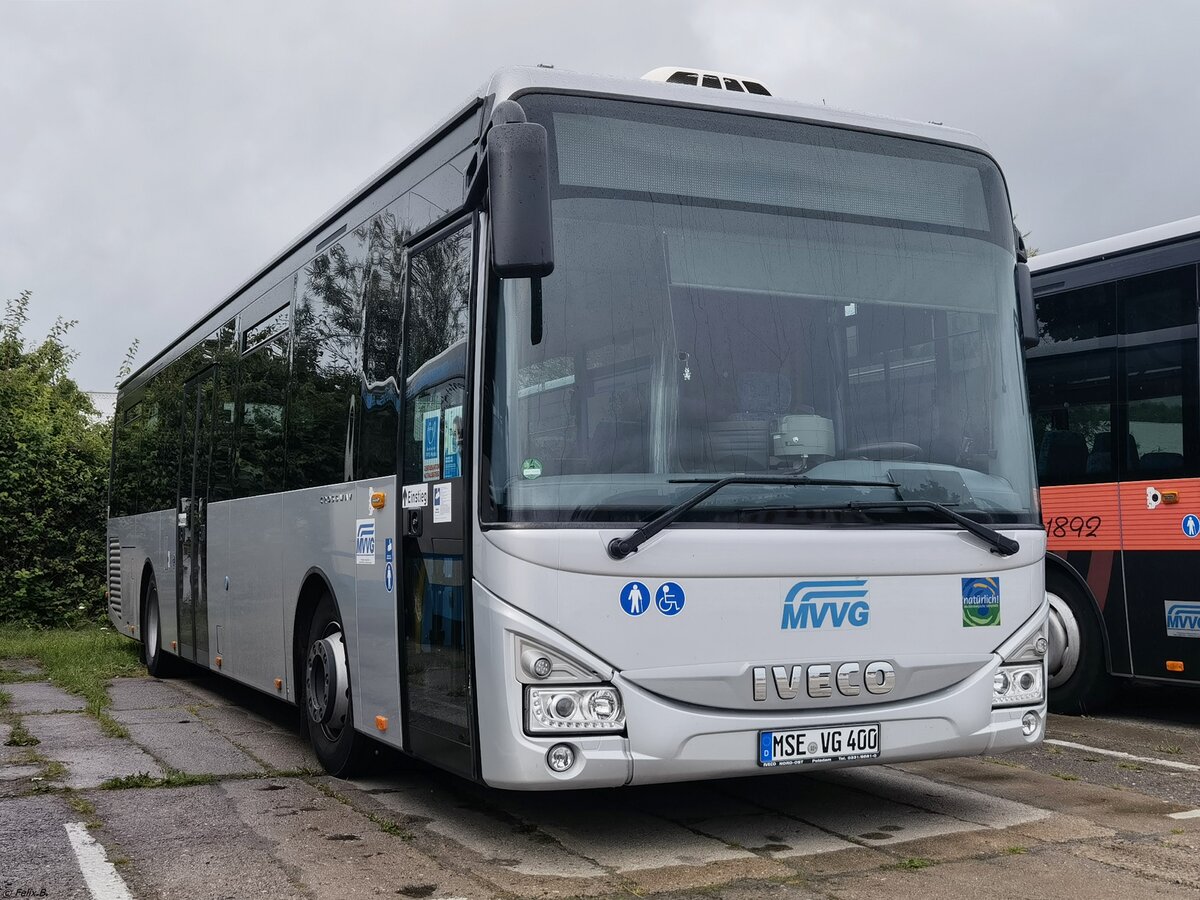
(1039, 646)
(560, 757)
(1029, 723)
(542, 666)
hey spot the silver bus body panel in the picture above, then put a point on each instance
(277, 542)
(146, 538)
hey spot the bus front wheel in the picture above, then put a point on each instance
(327, 702)
(1078, 680)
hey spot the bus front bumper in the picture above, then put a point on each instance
(667, 741)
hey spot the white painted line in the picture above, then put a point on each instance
(1190, 814)
(1149, 760)
(102, 879)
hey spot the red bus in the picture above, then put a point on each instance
(1115, 397)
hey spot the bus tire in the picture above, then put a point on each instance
(326, 700)
(1078, 678)
(158, 663)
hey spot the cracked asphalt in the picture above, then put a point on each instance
(214, 794)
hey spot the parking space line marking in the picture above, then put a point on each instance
(1149, 760)
(103, 881)
(1190, 814)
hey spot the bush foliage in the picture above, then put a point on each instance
(53, 481)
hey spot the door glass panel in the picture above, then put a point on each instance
(192, 517)
(436, 620)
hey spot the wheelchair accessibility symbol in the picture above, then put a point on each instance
(669, 599)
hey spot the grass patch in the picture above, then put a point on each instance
(8, 676)
(1015, 851)
(20, 736)
(1065, 776)
(5, 700)
(79, 660)
(1169, 748)
(146, 780)
(82, 805)
(111, 726)
(1133, 767)
(387, 826)
(914, 863)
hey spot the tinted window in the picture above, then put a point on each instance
(755, 88)
(732, 84)
(1160, 300)
(380, 402)
(326, 358)
(711, 81)
(258, 426)
(1072, 398)
(127, 432)
(683, 78)
(221, 472)
(1160, 408)
(1078, 315)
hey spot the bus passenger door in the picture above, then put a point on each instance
(191, 570)
(436, 693)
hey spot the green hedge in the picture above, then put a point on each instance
(54, 456)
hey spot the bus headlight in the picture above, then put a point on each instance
(554, 710)
(1019, 685)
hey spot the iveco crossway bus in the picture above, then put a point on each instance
(620, 431)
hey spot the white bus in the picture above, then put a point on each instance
(620, 431)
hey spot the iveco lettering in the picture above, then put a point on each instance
(617, 432)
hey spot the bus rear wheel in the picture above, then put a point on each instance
(1078, 679)
(326, 699)
(158, 663)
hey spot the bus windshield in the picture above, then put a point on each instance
(740, 294)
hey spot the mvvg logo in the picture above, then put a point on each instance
(813, 604)
(364, 542)
(1183, 619)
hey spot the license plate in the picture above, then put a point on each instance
(826, 744)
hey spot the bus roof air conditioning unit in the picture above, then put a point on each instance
(704, 78)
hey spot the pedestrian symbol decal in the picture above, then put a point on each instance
(1191, 525)
(669, 599)
(389, 577)
(635, 598)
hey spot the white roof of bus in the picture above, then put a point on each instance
(1113, 246)
(516, 79)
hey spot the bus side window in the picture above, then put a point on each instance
(1161, 414)
(1072, 397)
(380, 398)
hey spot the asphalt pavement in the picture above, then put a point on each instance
(215, 794)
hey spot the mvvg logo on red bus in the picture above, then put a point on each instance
(1183, 619)
(815, 604)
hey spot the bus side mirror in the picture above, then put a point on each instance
(519, 200)
(1027, 312)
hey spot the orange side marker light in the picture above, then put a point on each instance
(381, 723)
(279, 684)
(218, 662)
(1170, 496)
(378, 499)
(1174, 665)
(172, 645)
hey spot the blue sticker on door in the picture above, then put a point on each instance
(635, 598)
(669, 599)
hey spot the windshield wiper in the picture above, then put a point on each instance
(619, 548)
(1001, 545)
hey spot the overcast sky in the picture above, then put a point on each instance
(155, 154)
